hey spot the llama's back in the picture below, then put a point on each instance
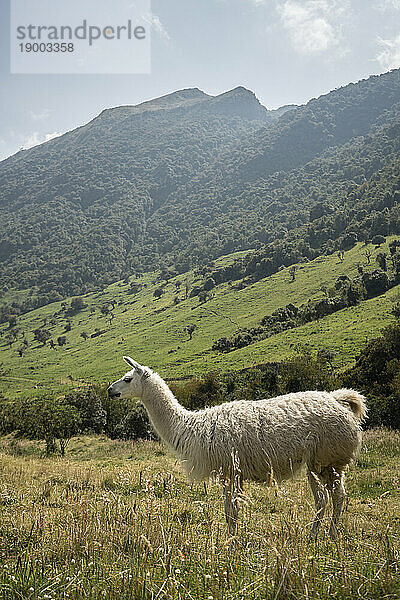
(274, 437)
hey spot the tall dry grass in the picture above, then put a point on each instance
(118, 520)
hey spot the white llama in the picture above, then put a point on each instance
(270, 439)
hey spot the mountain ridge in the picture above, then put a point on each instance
(184, 98)
(198, 179)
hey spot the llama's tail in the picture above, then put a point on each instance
(352, 400)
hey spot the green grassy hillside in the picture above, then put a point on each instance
(153, 330)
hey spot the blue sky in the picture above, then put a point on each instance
(286, 51)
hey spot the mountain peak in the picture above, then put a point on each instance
(175, 99)
(242, 102)
(239, 102)
(240, 89)
(184, 97)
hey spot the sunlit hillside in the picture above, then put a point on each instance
(155, 330)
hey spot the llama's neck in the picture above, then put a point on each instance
(166, 414)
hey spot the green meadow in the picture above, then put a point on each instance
(154, 330)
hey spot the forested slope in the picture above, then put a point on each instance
(73, 211)
(183, 179)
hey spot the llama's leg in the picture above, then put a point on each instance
(232, 490)
(231, 505)
(321, 498)
(338, 495)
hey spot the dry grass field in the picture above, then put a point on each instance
(118, 520)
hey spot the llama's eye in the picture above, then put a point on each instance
(127, 379)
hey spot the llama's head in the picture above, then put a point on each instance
(131, 384)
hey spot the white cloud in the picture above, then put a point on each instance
(40, 116)
(389, 56)
(155, 23)
(313, 25)
(388, 4)
(35, 139)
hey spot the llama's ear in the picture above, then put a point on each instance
(132, 363)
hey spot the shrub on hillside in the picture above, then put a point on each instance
(377, 375)
(377, 240)
(307, 372)
(135, 425)
(43, 418)
(77, 304)
(89, 404)
(200, 392)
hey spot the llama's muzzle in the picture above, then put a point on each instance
(112, 394)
